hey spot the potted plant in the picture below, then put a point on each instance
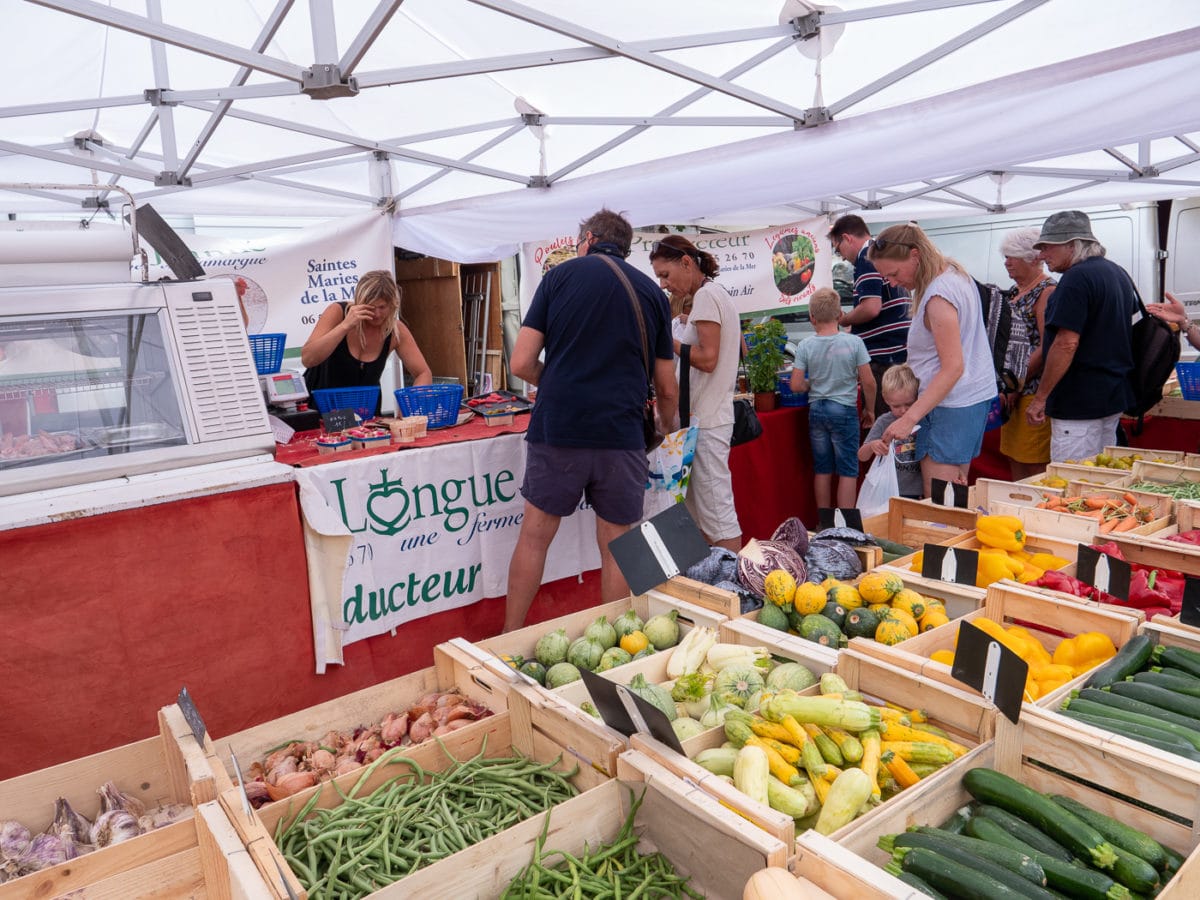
(764, 359)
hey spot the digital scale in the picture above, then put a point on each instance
(284, 389)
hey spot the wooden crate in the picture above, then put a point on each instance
(453, 668)
(523, 641)
(1042, 612)
(965, 716)
(1012, 493)
(1161, 631)
(1162, 506)
(835, 869)
(212, 863)
(1112, 778)
(163, 769)
(1070, 527)
(545, 738)
(698, 594)
(1155, 551)
(748, 630)
(915, 523)
(1165, 473)
(1034, 543)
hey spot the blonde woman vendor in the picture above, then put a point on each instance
(683, 269)
(350, 344)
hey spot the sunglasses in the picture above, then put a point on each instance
(659, 248)
(883, 244)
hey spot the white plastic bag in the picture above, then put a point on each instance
(671, 468)
(879, 485)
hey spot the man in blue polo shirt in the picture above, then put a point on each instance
(585, 435)
(1088, 344)
(880, 315)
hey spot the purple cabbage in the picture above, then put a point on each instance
(719, 565)
(792, 532)
(826, 558)
(759, 558)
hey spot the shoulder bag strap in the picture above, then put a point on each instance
(637, 311)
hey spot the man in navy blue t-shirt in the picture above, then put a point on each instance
(585, 435)
(880, 315)
(1088, 344)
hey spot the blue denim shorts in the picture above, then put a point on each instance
(833, 430)
(612, 481)
(953, 436)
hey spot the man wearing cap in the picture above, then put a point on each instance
(1089, 326)
(880, 314)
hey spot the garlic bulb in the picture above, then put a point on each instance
(14, 840)
(46, 850)
(112, 797)
(70, 825)
(164, 816)
(113, 827)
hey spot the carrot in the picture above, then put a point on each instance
(1109, 524)
(1091, 513)
(1096, 501)
(1043, 505)
(1126, 524)
(1130, 499)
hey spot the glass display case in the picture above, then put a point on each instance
(114, 380)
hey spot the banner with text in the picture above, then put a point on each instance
(430, 530)
(766, 272)
(285, 281)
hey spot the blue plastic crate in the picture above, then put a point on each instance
(363, 400)
(267, 350)
(1189, 379)
(440, 402)
(786, 395)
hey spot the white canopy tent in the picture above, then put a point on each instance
(485, 123)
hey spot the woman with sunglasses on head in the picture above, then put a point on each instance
(712, 335)
(947, 350)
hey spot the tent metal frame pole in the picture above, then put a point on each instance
(180, 37)
(932, 56)
(566, 55)
(371, 29)
(323, 30)
(672, 121)
(40, 109)
(265, 35)
(442, 173)
(895, 9)
(78, 161)
(696, 95)
(1017, 204)
(162, 80)
(565, 28)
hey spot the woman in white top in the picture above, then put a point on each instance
(947, 350)
(682, 269)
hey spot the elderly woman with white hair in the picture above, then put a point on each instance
(1026, 446)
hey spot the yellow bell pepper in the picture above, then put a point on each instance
(994, 630)
(1002, 532)
(1048, 561)
(1037, 654)
(946, 657)
(1030, 573)
(1084, 651)
(918, 561)
(994, 565)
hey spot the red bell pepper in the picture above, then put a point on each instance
(1187, 537)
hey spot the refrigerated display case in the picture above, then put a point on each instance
(106, 381)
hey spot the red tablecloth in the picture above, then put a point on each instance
(772, 475)
(302, 450)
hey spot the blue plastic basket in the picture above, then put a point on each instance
(440, 402)
(1189, 379)
(786, 396)
(267, 350)
(363, 400)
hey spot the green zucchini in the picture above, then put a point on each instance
(1134, 872)
(953, 877)
(1178, 658)
(998, 789)
(1118, 707)
(1169, 680)
(1118, 833)
(1171, 670)
(892, 547)
(829, 750)
(1129, 659)
(1163, 698)
(1065, 877)
(1021, 882)
(1153, 737)
(1026, 833)
(920, 883)
(956, 824)
(1014, 860)
(931, 729)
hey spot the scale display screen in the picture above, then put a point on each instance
(286, 386)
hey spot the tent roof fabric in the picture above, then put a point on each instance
(484, 123)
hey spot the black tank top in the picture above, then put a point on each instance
(340, 369)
